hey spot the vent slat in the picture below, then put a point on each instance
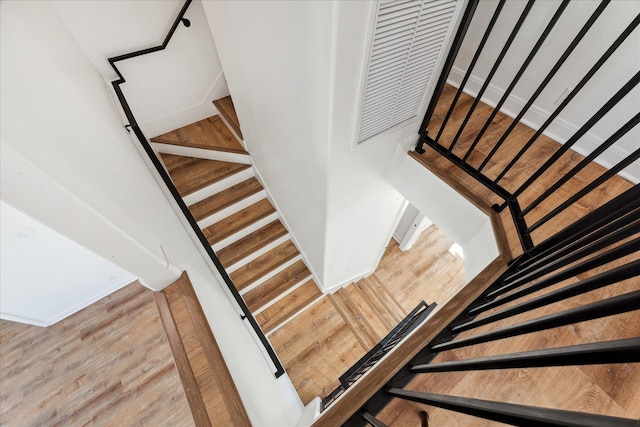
(406, 45)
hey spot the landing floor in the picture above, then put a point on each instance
(320, 344)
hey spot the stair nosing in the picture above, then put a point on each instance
(297, 313)
(219, 186)
(270, 274)
(259, 252)
(282, 295)
(231, 209)
(245, 231)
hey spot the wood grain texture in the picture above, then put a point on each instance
(355, 320)
(236, 222)
(282, 310)
(108, 364)
(210, 133)
(275, 286)
(225, 198)
(195, 175)
(251, 243)
(227, 110)
(190, 384)
(315, 349)
(530, 162)
(264, 264)
(362, 390)
(221, 398)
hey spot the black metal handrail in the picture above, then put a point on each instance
(590, 243)
(512, 197)
(386, 344)
(133, 125)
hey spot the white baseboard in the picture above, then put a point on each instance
(559, 130)
(71, 310)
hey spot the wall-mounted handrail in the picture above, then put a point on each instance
(144, 142)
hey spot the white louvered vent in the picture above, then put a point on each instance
(407, 40)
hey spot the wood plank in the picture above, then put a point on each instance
(281, 311)
(378, 328)
(210, 133)
(386, 317)
(264, 264)
(359, 325)
(385, 298)
(236, 222)
(173, 162)
(362, 390)
(275, 286)
(70, 374)
(228, 111)
(316, 349)
(202, 173)
(217, 366)
(225, 198)
(190, 385)
(251, 243)
(530, 162)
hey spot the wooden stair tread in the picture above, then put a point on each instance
(225, 198)
(276, 286)
(262, 265)
(385, 298)
(228, 111)
(251, 243)
(378, 327)
(239, 220)
(282, 310)
(387, 318)
(354, 319)
(173, 162)
(200, 173)
(211, 134)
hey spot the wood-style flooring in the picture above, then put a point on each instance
(529, 163)
(604, 389)
(108, 364)
(321, 343)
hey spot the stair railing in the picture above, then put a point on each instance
(388, 343)
(144, 142)
(599, 252)
(510, 192)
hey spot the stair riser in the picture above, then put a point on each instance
(256, 283)
(202, 153)
(244, 232)
(217, 187)
(293, 316)
(236, 207)
(257, 253)
(282, 295)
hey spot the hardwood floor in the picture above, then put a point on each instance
(210, 133)
(109, 364)
(318, 345)
(522, 170)
(605, 389)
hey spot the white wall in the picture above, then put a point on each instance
(624, 63)
(298, 117)
(451, 212)
(44, 276)
(167, 89)
(68, 163)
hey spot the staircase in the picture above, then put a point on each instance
(213, 174)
